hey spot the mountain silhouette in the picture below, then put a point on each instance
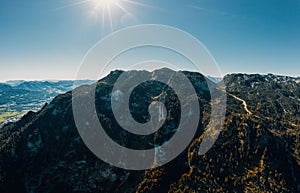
(256, 151)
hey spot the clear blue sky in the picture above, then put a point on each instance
(47, 39)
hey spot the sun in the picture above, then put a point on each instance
(104, 9)
(107, 10)
(105, 3)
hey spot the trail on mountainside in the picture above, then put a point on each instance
(244, 104)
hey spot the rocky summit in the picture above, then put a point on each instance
(256, 151)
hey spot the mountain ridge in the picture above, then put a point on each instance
(46, 153)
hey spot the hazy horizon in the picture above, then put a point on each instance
(53, 80)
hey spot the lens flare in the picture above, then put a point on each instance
(107, 10)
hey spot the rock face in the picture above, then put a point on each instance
(257, 150)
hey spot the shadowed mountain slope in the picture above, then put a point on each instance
(256, 151)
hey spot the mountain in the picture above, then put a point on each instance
(256, 151)
(215, 79)
(14, 82)
(50, 86)
(4, 86)
(34, 85)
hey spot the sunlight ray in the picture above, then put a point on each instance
(137, 3)
(110, 18)
(73, 4)
(122, 8)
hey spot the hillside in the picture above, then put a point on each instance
(256, 151)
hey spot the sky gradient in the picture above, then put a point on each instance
(48, 39)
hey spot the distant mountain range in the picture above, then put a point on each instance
(256, 151)
(215, 79)
(14, 82)
(5, 86)
(19, 97)
(59, 85)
